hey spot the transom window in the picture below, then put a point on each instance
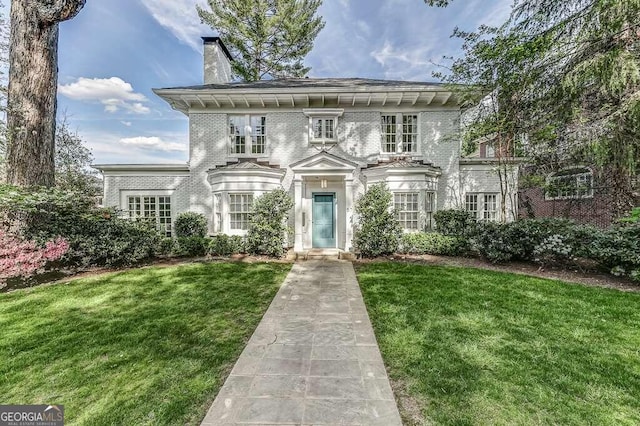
(406, 206)
(156, 207)
(399, 133)
(247, 134)
(570, 184)
(483, 206)
(239, 211)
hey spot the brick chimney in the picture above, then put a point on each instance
(217, 61)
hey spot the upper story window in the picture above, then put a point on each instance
(247, 134)
(399, 133)
(570, 184)
(323, 124)
(324, 129)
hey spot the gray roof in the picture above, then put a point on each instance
(310, 83)
(403, 164)
(246, 165)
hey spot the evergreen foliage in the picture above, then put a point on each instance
(559, 82)
(268, 228)
(190, 224)
(378, 232)
(265, 37)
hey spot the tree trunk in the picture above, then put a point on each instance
(33, 78)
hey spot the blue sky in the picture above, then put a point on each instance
(115, 51)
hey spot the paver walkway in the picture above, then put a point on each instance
(312, 360)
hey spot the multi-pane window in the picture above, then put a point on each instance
(247, 134)
(324, 128)
(135, 207)
(406, 206)
(409, 133)
(157, 208)
(490, 207)
(573, 184)
(164, 214)
(429, 206)
(237, 130)
(389, 130)
(483, 206)
(258, 134)
(471, 203)
(217, 212)
(239, 211)
(399, 133)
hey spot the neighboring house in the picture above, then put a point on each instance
(579, 192)
(322, 140)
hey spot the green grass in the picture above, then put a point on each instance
(146, 346)
(485, 348)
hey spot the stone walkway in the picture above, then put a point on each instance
(312, 360)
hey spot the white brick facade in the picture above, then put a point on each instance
(302, 168)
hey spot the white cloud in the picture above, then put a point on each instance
(114, 93)
(181, 18)
(409, 63)
(153, 142)
(126, 123)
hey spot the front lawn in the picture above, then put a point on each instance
(146, 346)
(470, 346)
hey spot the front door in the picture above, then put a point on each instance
(323, 217)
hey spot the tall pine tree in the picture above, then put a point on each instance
(266, 37)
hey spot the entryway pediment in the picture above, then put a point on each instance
(324, 161)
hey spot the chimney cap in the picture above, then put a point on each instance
(218, 40)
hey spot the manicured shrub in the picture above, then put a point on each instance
(190, 224)
(96, 236)
(192, 246)
(23, 258)
(430, 243)
(267, 227)
(493, 241)
(618, 250)
(111, 241)
(455, 222)
(378, 232)
(166, 246)
(226, 245)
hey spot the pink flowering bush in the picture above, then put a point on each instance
(25, 258)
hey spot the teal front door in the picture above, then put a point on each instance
(323, 229)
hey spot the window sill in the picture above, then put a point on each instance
(323, 141)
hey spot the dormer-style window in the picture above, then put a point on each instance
(247, 134)
(399, 133)
(323, 124)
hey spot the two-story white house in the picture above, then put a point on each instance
(324, 140)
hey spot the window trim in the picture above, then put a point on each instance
(399, 133)
(247, 213)
(565, 173)
(249, 135)
(480, 203)
(323, 114)
(141, 210)
(403, 222)
(426, 207)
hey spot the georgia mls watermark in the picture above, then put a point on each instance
(31, 415)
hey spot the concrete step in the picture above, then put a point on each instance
(324, 254)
